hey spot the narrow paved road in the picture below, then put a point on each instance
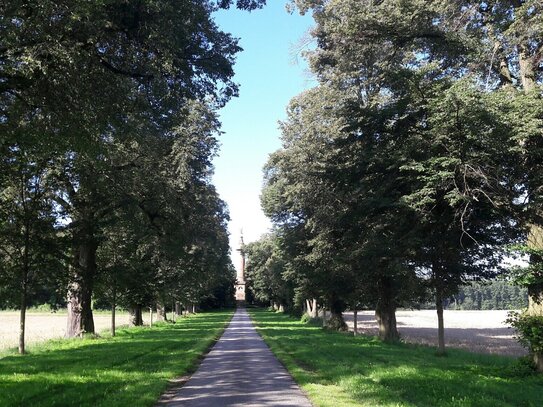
(240, 370)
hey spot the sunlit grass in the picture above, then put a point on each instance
(337, 369)
(131, 369)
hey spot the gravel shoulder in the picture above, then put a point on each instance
(476, 331)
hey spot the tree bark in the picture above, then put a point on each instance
(311, 308)
(535, 291)
(113, 305)
(355, 315)
(80, 319)
(336, 321)
(385, 312)
(135, 315)
(188, 309)
(538, 360)
(24, 277)
(440, 323)
(178, 308)
(527, 72)
(160, 311)
(22, 320)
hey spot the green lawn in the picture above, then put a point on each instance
(131, 369)
(337, 369)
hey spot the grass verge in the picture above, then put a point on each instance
(131, 369)
(337, 369)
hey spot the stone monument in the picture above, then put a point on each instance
(240, 278)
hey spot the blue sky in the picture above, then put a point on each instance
(269, 77)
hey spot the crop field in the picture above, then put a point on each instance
(477, 331)
(41, 326)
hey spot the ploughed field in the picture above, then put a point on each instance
(477, 331)
(41, 326)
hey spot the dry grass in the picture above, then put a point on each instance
(41, 326)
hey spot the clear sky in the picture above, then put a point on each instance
(269, 76)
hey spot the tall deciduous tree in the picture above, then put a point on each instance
(30, 242)
(92, 76)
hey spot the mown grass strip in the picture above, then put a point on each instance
(337, 369)
(132, 369)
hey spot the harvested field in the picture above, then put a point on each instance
(477, 331)
(46, 325)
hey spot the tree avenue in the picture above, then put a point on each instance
(107, 131)
(416, 161)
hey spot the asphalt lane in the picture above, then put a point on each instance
(240, 370)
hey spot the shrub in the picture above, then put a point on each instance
(529, 329)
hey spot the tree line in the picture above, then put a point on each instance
(108, 126)
(414, 166)
(495, 295)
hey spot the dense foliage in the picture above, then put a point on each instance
(417, 159)
(495, 295)
(107, 131)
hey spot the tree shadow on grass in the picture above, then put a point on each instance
(376, 373)
(130, 369)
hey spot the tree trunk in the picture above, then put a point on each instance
(135, 315)
(324, 317)
(113, 305)
(22, 320)
(160, 311)
(24, 280)
(178, 308)
(535, 291)
(527, 69)
(336, 321)
(440, 324)
(385, 312)
(538, 360)
(314, 308)
(355, 315)
(188, 309)
(80, 319)
(150, 317)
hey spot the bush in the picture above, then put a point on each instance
(529, 329)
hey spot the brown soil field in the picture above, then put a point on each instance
(477, 331)
(46, 325)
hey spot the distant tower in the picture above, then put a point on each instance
(240, 280)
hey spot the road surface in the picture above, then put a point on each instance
(240, 370)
